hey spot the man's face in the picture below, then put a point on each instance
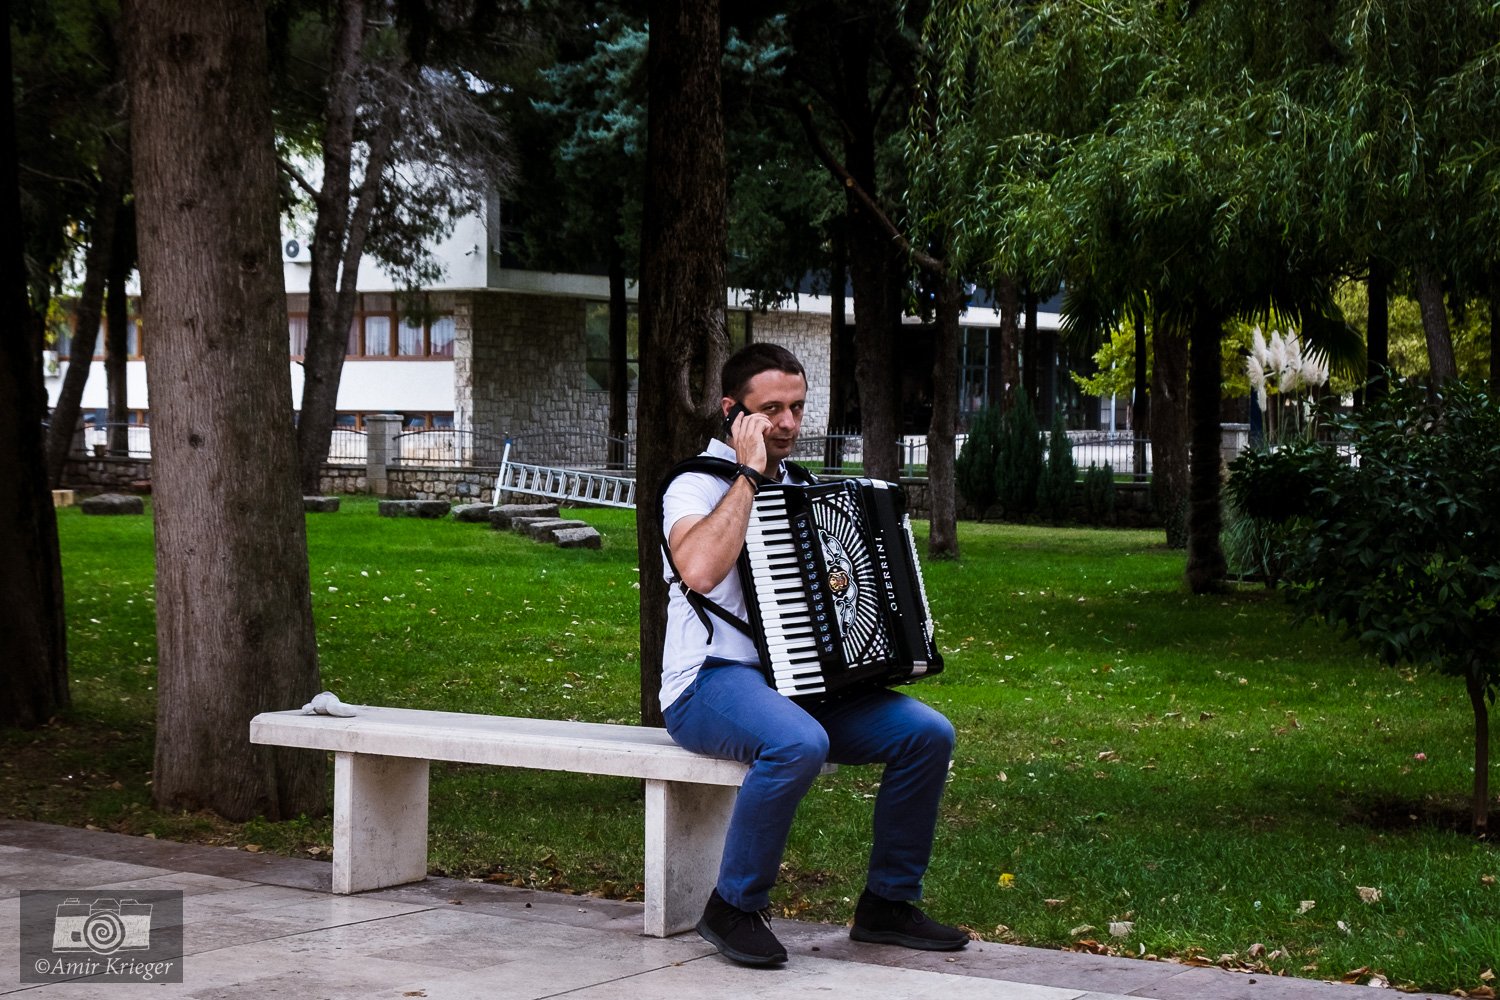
(780, 397)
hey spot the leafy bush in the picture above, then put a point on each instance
(974, 469)
(1099, 494)
(1055, 491)
(1398, 541)
(1018, 468)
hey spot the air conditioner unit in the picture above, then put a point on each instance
(296, 250)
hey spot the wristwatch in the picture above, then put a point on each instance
(752, 475)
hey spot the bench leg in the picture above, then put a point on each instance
(685, 827)
(379, 821)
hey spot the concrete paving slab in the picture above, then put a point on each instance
(260, 926)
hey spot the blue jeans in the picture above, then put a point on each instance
(731, 711)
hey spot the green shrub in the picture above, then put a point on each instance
(1018, 469)
(1099, 494)
(1399, 542)
(974, 469)
(1055, 491)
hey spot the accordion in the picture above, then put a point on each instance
(834, 589)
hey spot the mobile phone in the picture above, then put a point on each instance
(730, 417)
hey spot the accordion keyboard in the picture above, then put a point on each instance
(796, 619)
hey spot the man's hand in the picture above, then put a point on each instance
(748, 437)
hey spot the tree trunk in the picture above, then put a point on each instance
(1169, 423)
(1435, 326)
(942, 539)
(113, 170)
(870, 269)
(1206, 569)
(234, 617)
(841, 358)
(683, 339)
(1140, 400)
(117, 334)
(1031, 350)
(330, 309)
(1495, 334)
(33, 632)
(619, 369)
(1481, 798)
(876, 264)
(1008, 300)
(1377, 331)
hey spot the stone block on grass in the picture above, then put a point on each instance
(414, 508)
(541, 529)
(473, 513)
(577, 538)
(502, 515)
(113, 503)
(320, 505)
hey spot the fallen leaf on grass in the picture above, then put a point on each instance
(1368, 894)
(1121, 928)
(1007, 880)
(1488, 881)
(1307, 904)
(1081, 929)
(1054, 903)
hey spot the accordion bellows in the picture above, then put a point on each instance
(834, 589)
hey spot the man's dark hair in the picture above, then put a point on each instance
(752, 359)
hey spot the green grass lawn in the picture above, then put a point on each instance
(1229, 786)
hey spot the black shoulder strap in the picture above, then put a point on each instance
(799, 473)
(724, 469)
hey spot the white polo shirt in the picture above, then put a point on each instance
(687, 643)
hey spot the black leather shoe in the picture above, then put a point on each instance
(742, 936)
(884, 921)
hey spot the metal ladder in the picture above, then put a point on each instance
(563, 484)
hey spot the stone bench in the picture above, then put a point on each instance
(380, 773)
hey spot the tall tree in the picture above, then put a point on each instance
(1410, 164)
(234, 616)
(683, 337)
(851, 68)
(114, 175)
(34, 670)
(403, 153)
(581, 125)
(1188, 176)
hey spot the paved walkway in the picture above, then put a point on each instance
(259, 926)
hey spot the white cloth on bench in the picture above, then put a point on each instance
(327, 703)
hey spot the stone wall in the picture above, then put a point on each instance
(520, 372)
(454, 485)
(107, 474)
(343, 480)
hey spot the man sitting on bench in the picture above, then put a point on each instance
(716, 700)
